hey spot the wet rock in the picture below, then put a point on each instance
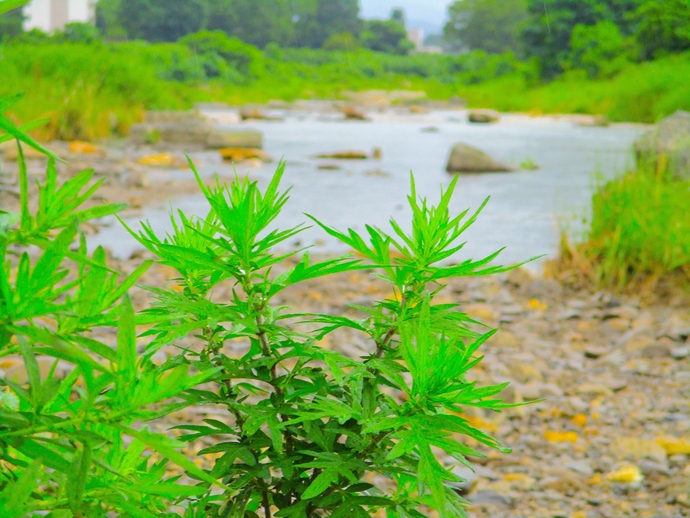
(353, 113)
(468, 159)
(249, 113)
(483, 116)
(243, 154)
(667, 144)
(221, 139)
(344, 155)
(595, 351)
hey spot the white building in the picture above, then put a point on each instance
(51, 15)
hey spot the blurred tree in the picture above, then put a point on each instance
(398, 15)
(258, 22)
(599, 49)
(11, 24)
(318, 20)
(547, 32)
(664, 27)
(341, 42)
(386, 36)
(490, 25)
(78, 32)
(108, 20)
(162, 20)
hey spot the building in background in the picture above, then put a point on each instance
(52, 15)
(416, 36)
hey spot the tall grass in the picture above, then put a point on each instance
(639, 233)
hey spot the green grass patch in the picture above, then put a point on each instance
(639, 234)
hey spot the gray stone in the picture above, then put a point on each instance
(667, 144)
(483, 116)
(218, 139)
(580, 466)
(681, 353)
(467, 159)
(490, 498)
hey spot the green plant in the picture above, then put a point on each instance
(638, 233)
(66, 445)
(310, 425)
(306, 425)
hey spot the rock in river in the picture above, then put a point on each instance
(467, 159)
(667, 144)
(483, 116)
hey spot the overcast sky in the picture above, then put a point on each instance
(428, 14)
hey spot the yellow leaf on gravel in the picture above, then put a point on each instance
(556, 436)
(83, 148)
(538, 305)
(674, 446)
(594, 480)
(626, 475)
(162, 160)
(480, 423)
(579, 420)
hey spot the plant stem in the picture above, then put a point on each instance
(266, 504)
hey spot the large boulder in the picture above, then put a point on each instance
(666, 146)
(467, 159)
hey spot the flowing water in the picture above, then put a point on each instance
(523, 215)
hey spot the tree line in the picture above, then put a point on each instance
(332, 24)
(597, 36)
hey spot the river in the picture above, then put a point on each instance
(526, 209)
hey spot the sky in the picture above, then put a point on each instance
(429, 15)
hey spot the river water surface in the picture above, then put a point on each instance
(523, 215)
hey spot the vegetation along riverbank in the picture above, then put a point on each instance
(94, 82)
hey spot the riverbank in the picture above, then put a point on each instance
(93, 91)
(610, 438)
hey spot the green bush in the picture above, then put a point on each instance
(305, 426)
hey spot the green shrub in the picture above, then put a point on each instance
(306, 425)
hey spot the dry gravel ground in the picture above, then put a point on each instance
(612, 436)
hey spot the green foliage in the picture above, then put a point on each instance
(638, 230)
(258, 22)
(599, 49)
(245, 58)
(341, 42)
(78, 33)
(664, 27)
(306, 423)
(546, 34)
(489, 25)
(161, 20)
(11, 24)
(65, 441)
(387, 36)
(318, 20)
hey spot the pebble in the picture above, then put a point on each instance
(680, 353)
